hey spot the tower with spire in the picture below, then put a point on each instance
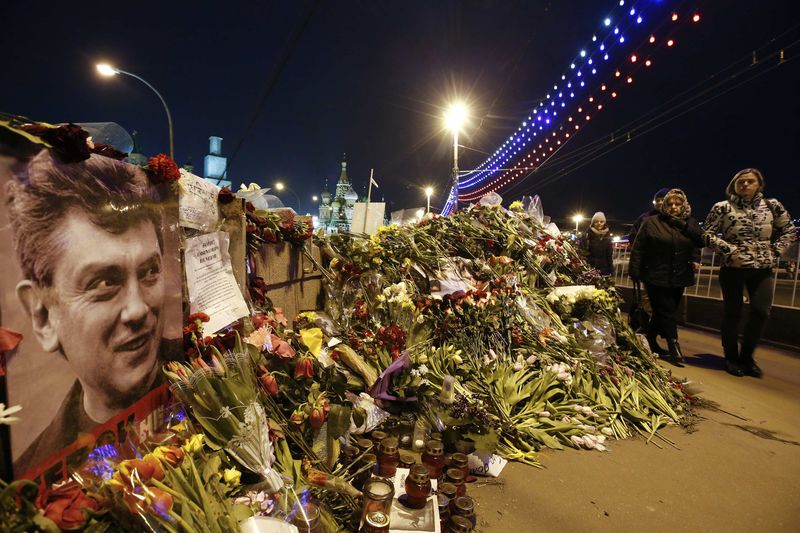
(336, 214)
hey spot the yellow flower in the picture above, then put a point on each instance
(515, 206)
(232, 477)
(377, 260)
(194, 444)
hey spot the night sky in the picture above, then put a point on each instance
(372, 79)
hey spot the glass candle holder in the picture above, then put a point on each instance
(407, 460)
(460, 461)
(376, 522)
(418, 487)
(465, 506)
(378, 495)
(364, 445)
(377, 436)
(388, 457)
(457, 478)
(433, 458)
(444, 511)
(405, 430)
(306, 518)
(449, 490)
(459, 524)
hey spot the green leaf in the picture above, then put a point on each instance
(338, 420)
(241, 512)
(484, 443)
(212, 466)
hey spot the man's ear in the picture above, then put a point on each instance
(37, 307)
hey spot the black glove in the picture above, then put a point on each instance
(678, 223)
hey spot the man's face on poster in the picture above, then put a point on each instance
(105, 306)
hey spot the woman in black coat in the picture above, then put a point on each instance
(662, 259)
(597, 244)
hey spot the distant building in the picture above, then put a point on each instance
(336, 214)
(214, 164)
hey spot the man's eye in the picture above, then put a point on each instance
(151, 273)
(104, 285)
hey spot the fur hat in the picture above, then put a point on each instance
(730, 190)
(599, 216)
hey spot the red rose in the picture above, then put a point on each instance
(107, 150)
(282, 348)
(64, 505)
(269, 384)
(163, 169)
(317, 418)
(304, 368)
(68, 141)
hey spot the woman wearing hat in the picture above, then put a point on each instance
(662, 259)
(758, 230)
(597, 243)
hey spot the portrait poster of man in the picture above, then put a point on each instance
(92, 280)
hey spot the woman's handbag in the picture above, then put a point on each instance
(638, 317)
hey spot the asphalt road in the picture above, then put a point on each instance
(739, 470)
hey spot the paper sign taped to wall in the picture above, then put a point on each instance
(209, 277)
(198, 202)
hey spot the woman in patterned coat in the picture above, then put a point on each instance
(758, 230)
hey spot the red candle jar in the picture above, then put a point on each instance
(418, 487)
(464, 506)
(457, 478)
(433, 458)
(444, 511)
(388, 457)
(460, 461)
(459, 524)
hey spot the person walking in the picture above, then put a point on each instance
(658, 198)
(757, 230)
(597, 244)
(662, 259)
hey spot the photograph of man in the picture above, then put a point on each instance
(89, 242)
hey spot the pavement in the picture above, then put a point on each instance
(737, 469)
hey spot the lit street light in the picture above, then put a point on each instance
(280, 186)
(429, 193)
(577, 219)
(453, 119)
(106, 70)
(315, 198)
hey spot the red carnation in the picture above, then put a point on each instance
(226, 196)
(202, 317)
(163, 169)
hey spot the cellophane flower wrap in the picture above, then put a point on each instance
(224, 399)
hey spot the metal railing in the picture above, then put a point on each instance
(785, 291)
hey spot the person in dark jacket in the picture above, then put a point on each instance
(597, 244)
(662, 259)
(658, 198)
(757, 230)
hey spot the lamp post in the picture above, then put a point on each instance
(280, 186)
(577, 219)
(428, 194)
(104, 69)
(454, 118)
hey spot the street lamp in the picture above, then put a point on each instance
(428, 193)
(106, 70)
(280, 186)
(577, 219)
(454, 117)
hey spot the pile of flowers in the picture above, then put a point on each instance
(541, 354)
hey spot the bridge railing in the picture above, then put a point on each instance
(784, 283)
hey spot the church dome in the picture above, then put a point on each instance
(326, 196)
(351, 196)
